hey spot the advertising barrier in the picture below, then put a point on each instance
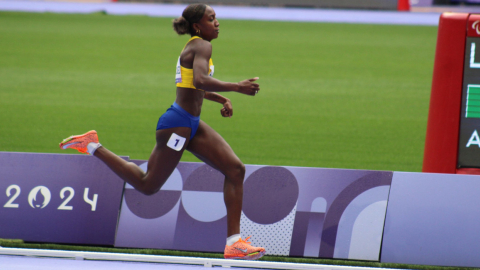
(290, 211)
(53, 198)
(412, 218)
(433, 219)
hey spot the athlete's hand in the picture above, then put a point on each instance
(249, 87)
(227, 110)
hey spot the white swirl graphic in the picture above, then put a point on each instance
(32, 196)
(475, 26)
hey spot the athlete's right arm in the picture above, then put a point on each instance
(201, 80)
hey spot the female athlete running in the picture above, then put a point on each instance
(180, 128)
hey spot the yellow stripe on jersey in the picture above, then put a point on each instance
(184, 76)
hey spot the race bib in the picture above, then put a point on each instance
(176, 142)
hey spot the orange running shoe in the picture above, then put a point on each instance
(242, 250)
(80, 142)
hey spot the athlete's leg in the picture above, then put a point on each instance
(212, 149)
(161, 163)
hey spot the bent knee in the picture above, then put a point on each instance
(236, 172)
(149, 191)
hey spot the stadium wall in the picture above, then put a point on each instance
(344, 4)
(401, 217)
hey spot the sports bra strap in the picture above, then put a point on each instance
(192, 38)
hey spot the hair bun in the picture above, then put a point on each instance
(181, 25)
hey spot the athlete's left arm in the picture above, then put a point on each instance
(227, 110)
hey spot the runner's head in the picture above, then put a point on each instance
(197, 20)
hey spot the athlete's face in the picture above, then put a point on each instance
(208, 25)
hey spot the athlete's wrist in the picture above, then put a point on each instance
(236, 87)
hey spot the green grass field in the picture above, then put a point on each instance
(332, 95)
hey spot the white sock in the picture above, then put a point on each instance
(91, 147)
(232, 239)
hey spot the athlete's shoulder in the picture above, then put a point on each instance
(201, 43)
(202, 47)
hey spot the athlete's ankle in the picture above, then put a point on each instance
(92, 147)
(232, 239)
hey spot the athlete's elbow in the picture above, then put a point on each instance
(198, 84)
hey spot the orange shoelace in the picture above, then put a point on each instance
(244, 241)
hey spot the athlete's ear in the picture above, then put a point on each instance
(196, 28)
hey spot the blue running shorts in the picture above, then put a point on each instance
(176, 116)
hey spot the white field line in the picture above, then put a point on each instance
(207, 262)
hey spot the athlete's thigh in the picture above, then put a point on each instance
(166, 154)
(212, 149)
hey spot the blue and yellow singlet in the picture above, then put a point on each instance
(184, 76)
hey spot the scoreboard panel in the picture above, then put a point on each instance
(469, 140)
(452, 143)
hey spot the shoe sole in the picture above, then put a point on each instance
(249, 257)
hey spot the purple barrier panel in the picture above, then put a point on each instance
(292, 211)
(188, 213)
(433, 219)
(54, 198)
(340, 213)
